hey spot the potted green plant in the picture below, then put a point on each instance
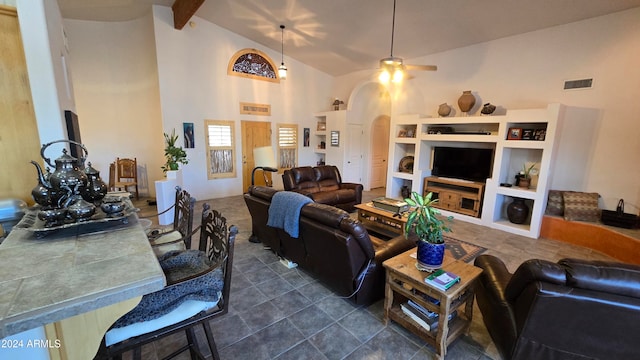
(173, 154)
(525, 176)
(425, 223)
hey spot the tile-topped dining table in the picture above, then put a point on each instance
(74, 282)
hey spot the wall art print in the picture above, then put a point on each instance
(189, 138)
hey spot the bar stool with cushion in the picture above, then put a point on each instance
(164, 239)
(127, 174)
(198, 286)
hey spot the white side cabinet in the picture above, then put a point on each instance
(416, 135)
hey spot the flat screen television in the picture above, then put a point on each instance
(473, 164)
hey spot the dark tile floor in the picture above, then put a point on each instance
(281, 313)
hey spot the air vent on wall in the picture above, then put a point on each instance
(578, 84)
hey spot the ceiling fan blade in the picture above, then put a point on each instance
(422, 67)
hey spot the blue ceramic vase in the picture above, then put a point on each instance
(429, 256)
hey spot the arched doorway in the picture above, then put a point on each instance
(369, 103)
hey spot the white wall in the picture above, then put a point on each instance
(117, 94)
(528, 71)
(46, 54)
(194, 87)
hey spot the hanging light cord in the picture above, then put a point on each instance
(393, 26)
(282, 43)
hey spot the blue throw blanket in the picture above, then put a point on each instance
(284, 211)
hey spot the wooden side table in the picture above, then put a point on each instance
(405, 282)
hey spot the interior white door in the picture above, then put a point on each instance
(353, 156)
(379, 150)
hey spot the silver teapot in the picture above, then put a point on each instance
(57, 189)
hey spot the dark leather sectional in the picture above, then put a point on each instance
(324, 185)
(332, 246)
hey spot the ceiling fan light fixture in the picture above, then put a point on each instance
(392, 62)
(282, 70)
(384, 76)
(398, 75)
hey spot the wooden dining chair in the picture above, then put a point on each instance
(127, 174)
(181, 228)
(112, 176)
(197, 291)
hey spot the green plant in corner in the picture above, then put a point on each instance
(423, 219)
(173, 154)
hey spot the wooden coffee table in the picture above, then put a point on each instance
(381, 221)
(405, 282)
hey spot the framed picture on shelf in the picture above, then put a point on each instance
(539, 134)
(527, 134)
(514, 134)
(322, 126)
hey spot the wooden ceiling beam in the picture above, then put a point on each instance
(183, 10)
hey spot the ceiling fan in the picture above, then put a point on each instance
(393, 68)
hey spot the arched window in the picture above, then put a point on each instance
(253, 64)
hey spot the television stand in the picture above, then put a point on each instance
(464, 197)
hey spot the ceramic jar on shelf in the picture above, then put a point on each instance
(466, 101)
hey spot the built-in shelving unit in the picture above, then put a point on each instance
(326, 122)
(503, 133)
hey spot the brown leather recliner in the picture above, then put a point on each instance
(324, 185)
(573, 309)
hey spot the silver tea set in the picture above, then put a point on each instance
(70, 194)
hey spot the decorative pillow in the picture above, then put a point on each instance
(555, 203)
(581, 206)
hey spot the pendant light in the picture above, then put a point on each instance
(282, 70)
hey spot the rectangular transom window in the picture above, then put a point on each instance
(220, 149)
(287, 146)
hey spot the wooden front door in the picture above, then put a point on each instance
(19, 139)
(254, 134)
(379, 151)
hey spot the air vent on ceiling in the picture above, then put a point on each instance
(578, 84)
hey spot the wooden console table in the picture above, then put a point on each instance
(464, 197)
(405, 282)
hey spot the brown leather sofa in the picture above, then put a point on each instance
(573, 309)
(333, 247)
(324, 185)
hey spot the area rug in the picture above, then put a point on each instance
(462, 250)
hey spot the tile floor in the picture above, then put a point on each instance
(280, 313)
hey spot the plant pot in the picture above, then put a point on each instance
(517, 211)
(524, 182)
(429, 256)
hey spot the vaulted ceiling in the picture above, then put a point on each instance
(342, 36)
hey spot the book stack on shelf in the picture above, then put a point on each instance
(423, 317)
(442, 280)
